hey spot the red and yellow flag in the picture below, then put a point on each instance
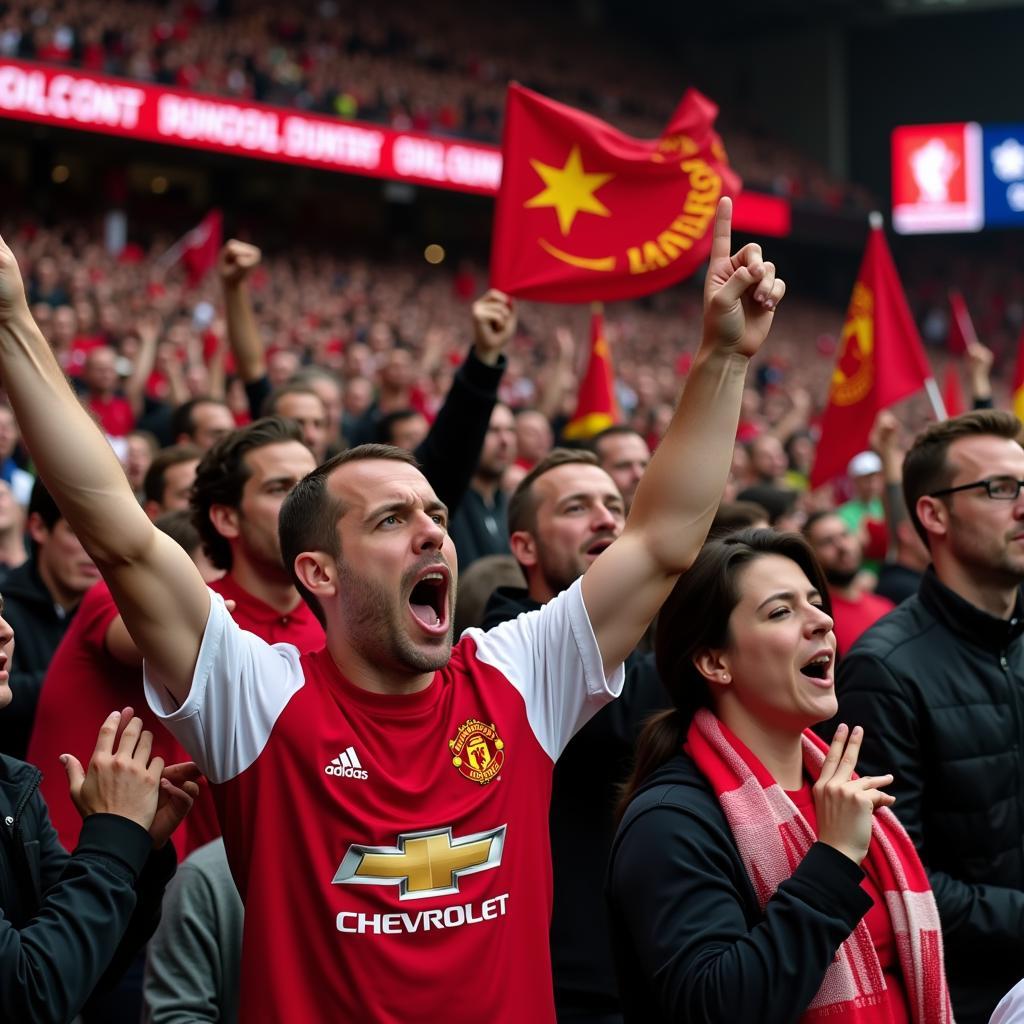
(881, 360)
(1017, 394)
(952, 392)
(585, 213)
(596, 408)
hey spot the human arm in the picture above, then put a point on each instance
(683, 908)
(552, 386)
(449, 453)
(979, 374)
(884, 439)
(236, 261)
(159, 591)
(99, 904)
(145, 358)
(974, 917)
(679, 493)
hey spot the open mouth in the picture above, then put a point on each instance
(598, 546)
(819, 667)
(429, 601)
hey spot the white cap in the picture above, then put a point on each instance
(864, 464)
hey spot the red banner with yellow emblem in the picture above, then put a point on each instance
(596, 408)
(586, 214)
(881, 360)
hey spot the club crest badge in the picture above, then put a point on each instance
(477, 751)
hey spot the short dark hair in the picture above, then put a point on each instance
(183, 420)
(616, 430)
(222, 473)
(41, 502)
(522, 506)
(386, 424)
(273, 399)
(154, 483)
(733, 516)
(309, 516)
(816, 517)
(926, 468)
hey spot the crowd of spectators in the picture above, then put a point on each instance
(410, 67)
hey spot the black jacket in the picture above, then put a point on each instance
(691, 942)
(939, 687)
(585, 788)
(68, 922)
(39, 626)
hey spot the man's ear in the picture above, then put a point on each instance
(318, 573)
(524, 548)
(934, 515)
(225, 520)
(713, 665)
(37, 529)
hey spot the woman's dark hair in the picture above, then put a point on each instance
(695, 618)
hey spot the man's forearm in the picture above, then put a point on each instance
(72, 457)
(680, 490)
(243, 333)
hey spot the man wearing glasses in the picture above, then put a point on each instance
(938, 686)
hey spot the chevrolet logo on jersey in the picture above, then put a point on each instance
(423, 863)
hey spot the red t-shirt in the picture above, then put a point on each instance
(392, 851)
(114, 414)
(83, 684)
(877, 920)
(299, 627)
(853, 617)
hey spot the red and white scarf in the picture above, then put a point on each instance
(773, 837)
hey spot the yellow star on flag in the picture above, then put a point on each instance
(570, 190)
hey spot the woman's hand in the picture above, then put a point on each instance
(120, 781)
(844, 806)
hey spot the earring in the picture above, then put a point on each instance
(725, 677)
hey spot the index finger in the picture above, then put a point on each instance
(721, 243)
(849, 760)
(105, 739)
(835, 750)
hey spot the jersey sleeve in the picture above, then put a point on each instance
(551, 657)
(240, 687)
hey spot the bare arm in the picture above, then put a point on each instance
(158, 590)
(237, 260)
(681, 488)
(135, 387)
(552, 388)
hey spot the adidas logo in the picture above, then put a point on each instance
(346, 765)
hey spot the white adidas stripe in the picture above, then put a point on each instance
(352, 757)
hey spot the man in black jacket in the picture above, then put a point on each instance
(938, 686)
(40, 597)
(71, 922)
(563, 514)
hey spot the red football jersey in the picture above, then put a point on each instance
(392, 851)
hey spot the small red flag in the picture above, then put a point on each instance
(586, 213)
(880, 361)
(596, 408)
(952, 392)
(961, 330)
(201, 246)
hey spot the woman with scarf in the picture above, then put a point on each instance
(754, 876)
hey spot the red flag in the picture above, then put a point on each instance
(198, 248)
(586, 213)
(952, 393)
(961, 330)
(596, 408)
(880, 361)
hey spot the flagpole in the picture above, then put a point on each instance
(935, 397)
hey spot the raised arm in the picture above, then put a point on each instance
(450, 452)
(158, 590)
(236, 262)
(681, 488)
